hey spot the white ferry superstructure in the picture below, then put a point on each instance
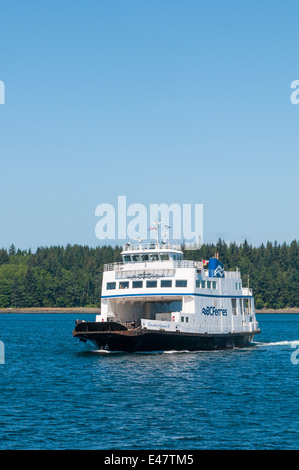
(154, 300)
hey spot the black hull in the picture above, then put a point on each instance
(153, 340)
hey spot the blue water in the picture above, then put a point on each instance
(58, 393)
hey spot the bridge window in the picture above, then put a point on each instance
(151, 283)
(137, 284)
(180, 283)
(166, 283)
(200, 284)
(209, 284)
(127, 258)
(164, 256)
(214, 285)
(111, 285)
(124, 285)
(135, 258)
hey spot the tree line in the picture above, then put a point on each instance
(71, 276)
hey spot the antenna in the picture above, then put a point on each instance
(158, 223)
(138, 240)
(165, 234)
(155, 226)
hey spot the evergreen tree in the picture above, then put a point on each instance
(4, 258)
(12, 250)
(72, 276)
(17, 294)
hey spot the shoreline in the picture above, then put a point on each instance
(51, 310)
(282, 310)
(97, 310)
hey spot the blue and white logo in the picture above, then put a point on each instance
(219, 271)
(214, 311)
(216, 268)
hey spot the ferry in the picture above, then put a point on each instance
(154, 300)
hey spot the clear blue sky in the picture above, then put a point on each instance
(162, 101)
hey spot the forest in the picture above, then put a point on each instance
(71, 276)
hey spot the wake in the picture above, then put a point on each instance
(294, 343)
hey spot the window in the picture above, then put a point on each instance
(187, 319)
(166, 283)
(203, 284)
(124, 285)
(111, 285)
(137, 284)
(247, 305)
(197, 283)
(154, 257)
(180, 283)
(151, 283)
(144, 257)
(182, 319)
(135, 258)
(209, 284)
(214, 285)
(164, 257)
(127, 259)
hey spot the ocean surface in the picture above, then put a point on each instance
(58, 393)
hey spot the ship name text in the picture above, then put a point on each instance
(214, 311)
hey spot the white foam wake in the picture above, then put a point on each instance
(294, 343)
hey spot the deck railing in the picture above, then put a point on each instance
(232, 274)
(135, 265)
(151, 246)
